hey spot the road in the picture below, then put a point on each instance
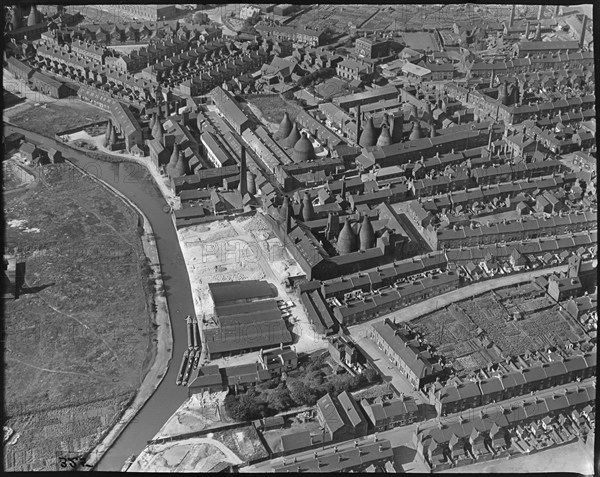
(401, 438)
(143, 193)
(360, 333)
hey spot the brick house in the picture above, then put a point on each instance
(390, 414)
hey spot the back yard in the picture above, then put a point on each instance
(78, 338)
(475, 333)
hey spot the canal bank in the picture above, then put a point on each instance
(164, 335)
(134, 430)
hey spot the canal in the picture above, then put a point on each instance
(135, 182)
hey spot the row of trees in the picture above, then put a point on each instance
(308, 385)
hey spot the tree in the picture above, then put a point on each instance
(301, 394)
(313, 378)
(244, 407)
(279, 399)
(371, 375)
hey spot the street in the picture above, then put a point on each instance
(401, 438)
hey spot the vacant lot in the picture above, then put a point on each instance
(79, 333)
(273, 106)
(56, 117)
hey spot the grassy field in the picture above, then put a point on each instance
(272, 106)
(57, 117)
(78, 337)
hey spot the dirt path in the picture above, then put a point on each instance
(95, 376)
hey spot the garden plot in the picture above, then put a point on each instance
(475, 333)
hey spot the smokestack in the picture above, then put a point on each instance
(512, 16)
(538, 32)
(286, 214)
(333, 226)
(540, 14)
(251, 182)
(527, 31)
(557, 11)
(358, 124)
(583, 27)
(243, 186)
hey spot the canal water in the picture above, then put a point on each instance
(135, 182)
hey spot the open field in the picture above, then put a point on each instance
(474, 333)
(73, 336)
(56, 117)
(272, 107)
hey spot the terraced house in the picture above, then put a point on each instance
(405, 352)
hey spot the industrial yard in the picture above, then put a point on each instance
(243, 249)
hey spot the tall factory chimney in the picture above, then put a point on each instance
(557, 11)
(583, 28)
(358, 124)
(538, 32)
(286, 215)
(333, 226)
(540, 14)
(512, 16)
(243, 186)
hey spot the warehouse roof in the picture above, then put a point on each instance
(249, 336)
(229, 292)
